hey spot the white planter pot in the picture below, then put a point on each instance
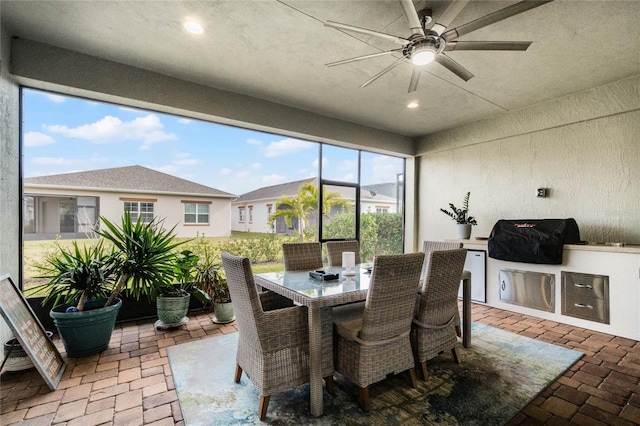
(464, 231)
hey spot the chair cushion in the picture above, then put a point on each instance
(349, 329)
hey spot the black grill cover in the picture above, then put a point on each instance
(532, 240)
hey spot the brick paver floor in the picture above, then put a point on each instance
(130, 383)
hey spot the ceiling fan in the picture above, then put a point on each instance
(426, 45)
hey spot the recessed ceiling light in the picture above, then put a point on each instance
(193, 27)
(413, 104)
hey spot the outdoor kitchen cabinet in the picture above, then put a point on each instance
(615, 305)
(585, 296)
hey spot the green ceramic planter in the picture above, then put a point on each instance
(223, 313)
(87, 332)
(172, 309)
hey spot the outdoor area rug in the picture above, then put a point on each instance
(498, 376)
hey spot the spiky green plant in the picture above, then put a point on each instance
(460, 215)
(146, 255)
(76, 274)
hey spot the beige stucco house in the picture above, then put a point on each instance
(250, 211)
(71, 204)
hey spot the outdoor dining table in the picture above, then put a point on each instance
(317, 294)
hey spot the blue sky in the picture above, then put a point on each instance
(63, 134)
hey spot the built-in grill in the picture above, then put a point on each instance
(532, 240)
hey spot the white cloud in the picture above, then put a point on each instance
(325, 163)
(286, 146)
(349, 177)
(186, 162)
(148, 130)
(56, 98)
(385, 168)
(256, 166)
(62, 161)
(185, 120)
(348, 165)
(243, 174)
(52, 160)
(225, 171)
(272, 179)
(37, 139)
(251, 141)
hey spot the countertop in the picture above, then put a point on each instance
(604, 247)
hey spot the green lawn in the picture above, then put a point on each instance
(34, 253)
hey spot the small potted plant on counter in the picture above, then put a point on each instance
(462, 218)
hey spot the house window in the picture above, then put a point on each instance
(382, 209)
(196, 213)
(141, 209)
(241, 214)
(269, 209)
(250, 213)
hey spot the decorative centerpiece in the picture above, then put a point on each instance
(463, 220)
(348, 263)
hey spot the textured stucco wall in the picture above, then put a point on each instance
(585, 148)
(9, 174)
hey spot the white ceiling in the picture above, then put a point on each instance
(277, 51)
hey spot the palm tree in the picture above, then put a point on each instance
(303, 204)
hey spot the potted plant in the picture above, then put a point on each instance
(172, 300)
(80, 282)
(210, 278)
(83, 279)
(460, 215)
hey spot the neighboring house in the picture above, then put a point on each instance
(250, 211)
(70, 204)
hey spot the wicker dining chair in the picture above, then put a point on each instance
(273, 344)
(433, 329)
(336, 248)
(428, 247)
(307, 257)
(378, 343)
(302, 256)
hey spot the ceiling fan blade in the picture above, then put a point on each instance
(383, 72)
(445, 19)
(412, 17)
(359, 58)
(487, 45)
(492, 18)
(415, 77)
(395, 39)
(454, 67)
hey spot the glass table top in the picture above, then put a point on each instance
(301, 282)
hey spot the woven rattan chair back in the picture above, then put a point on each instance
(244, 294)
(391, 298)
(302, 256)
(273, 345)
(439, 301)
(429, 246)
(336, 248)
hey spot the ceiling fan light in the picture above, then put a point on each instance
(193, 27)
(423, 56)
(413, 104)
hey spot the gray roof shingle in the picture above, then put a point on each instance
(291, 189)
(129, 178)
